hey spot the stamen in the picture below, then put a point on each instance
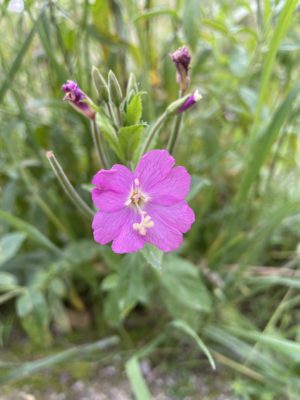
(136, 182)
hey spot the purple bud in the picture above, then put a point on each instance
(182, 58)
(190, 101)
(77, 99)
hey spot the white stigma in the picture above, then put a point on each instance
(197, 96)
(145, 224)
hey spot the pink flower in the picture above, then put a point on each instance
(144, 206)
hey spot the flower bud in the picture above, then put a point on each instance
(132, 86)
(176, 105)
(114, 89)
(182, 58)
(190, 101)
(100, 84)
(78, 99)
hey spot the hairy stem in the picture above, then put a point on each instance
(98, 142)
(67, 186)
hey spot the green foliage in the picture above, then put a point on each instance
(130, 138)
(232, 288)
(34, 314)
(9, 245)
(134, 110)
(190, 292)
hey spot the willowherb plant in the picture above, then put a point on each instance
(138, 205)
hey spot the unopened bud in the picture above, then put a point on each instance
(78, 99)
(182, 58)
(100, 84)
(175, 106)
(114, 89)
(131, 85)
(190, 101)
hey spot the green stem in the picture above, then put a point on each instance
(67, 186)
(175, 133)
(153, 132)
(98, 142)
(176, 130)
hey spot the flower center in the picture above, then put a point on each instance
(137, 200)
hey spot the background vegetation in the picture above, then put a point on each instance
(233, 287)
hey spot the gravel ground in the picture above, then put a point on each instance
(110, 383)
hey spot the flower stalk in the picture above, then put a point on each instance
(98, 143)
(153, 132)
(67, 186)
(187, 102)
(175, 133)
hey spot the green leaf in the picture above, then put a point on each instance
(184, 327)
(108, 132)
(110, 282)
(82, 251)
(32, 232)
(180, 281)
(130, 138)
(34, 313)
(136, 379)
(7, 281)
(129, 289)
(134, 110)
(9, 245)
(153, 255)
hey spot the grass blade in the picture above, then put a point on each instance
(74, 353)
(279, 33)
(262, 145)
(19, 59)
(138, 384)
(184, 327)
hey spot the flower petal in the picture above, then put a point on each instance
(163, 236)
(129, 240)
(107, 226)
(179, 216)
(172, 189)
(118, 179)
(108, 200)
(153, 167)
